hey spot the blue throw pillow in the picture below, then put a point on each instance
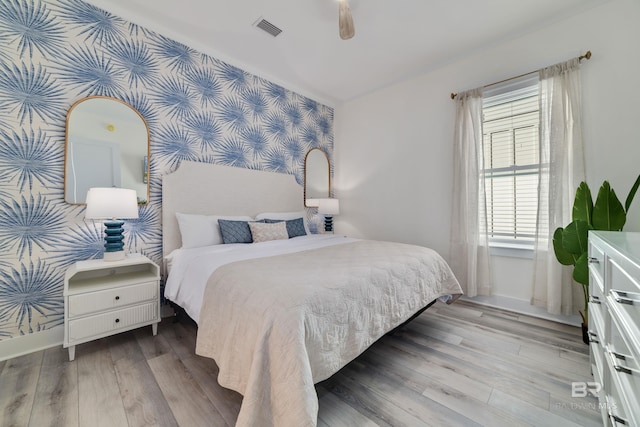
(295, 227)
(235, 231)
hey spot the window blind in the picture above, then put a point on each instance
(511, 164)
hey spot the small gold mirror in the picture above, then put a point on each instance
(317, 177)
(107, 145)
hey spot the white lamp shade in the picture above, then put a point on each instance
(328, 206)
(108, 203)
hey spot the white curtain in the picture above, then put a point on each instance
(562, 170)
(469, 257)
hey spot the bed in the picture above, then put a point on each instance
(279, 316)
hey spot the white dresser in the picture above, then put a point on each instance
(103, 298)
(614, 324)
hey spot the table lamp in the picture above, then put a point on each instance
(113, 205)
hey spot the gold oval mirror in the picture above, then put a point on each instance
(107, 145)
(317, 177)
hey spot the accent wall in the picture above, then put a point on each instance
(198, 108)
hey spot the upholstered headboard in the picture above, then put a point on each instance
(205, 188)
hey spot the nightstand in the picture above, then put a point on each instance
(103, 298)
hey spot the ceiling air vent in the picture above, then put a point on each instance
(267, 26)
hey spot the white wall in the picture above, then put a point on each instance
(393, 151)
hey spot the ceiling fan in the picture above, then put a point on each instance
(345, 20)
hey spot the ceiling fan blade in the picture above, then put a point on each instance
(345, 21)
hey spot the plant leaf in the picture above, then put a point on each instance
(581, 269)
(564, 257)
(632, 194)
(583, 204)
(608, 212)
(575, 236)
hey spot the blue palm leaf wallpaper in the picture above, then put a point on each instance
(56, 52)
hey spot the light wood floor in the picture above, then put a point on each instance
(458, 365)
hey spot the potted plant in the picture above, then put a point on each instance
(570, 242)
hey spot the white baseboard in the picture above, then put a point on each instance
(522, 307)
(25, 344)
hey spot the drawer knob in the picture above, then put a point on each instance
(594, 260)
(593, 337)
(595, 300)
(117, 320)
(117, 297)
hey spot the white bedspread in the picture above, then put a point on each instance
(279, 324)
(189, 269)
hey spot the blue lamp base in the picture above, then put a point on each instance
(328, 224)
(114, 241)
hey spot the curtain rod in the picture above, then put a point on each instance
(586, 56)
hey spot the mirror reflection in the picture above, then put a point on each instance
(317, 177)
(107, 145)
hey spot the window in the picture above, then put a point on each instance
(511, 164)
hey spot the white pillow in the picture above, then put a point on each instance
(202, 230)
(285, 216)
(263, 231)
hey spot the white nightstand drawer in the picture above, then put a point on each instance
(111, 321)
(93, 302)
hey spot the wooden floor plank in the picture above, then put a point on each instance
(526, 365)
(152, 346)
(391, 359)
(189, 404)
(579, 358)
(550, 355)
(180, 339)
(18, 385)
(371, 404)
(454, 391)
(581, 410)
(335, 413)
(100, 403)
(390, 388)
(459, 402)
(469, 333)
(56, 400)
(527, 412)
(144, 402)
(516, 329)
(226, 401)
(124, 346)
(484, 368)
(549, 324)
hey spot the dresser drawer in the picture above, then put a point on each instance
(623, 341)
(111, 321)
(93, 302)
